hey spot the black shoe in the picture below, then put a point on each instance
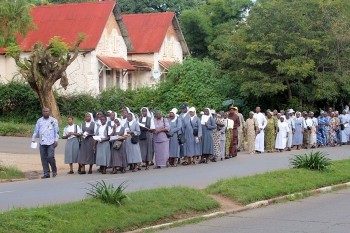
(90, 172)
(259, 152)
(54, 174)
(234, 156)
(227, 157)
(213, 160)
(221, 159)
(238, 150)
(45, 177)
(82, 173)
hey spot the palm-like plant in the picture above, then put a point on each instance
(314, 161)
(107, 193)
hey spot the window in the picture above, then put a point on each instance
(108, 72)
(129, 81)
(117, 79)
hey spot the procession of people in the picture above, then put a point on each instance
(133, 142)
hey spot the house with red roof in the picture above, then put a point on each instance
(158, 42)
(126, 51)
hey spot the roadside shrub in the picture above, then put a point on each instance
(77, 105)
(107, 193)
(18, 102)
(314, 161)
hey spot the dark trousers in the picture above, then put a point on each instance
(47, 154)
(234, 142)
(339, 136)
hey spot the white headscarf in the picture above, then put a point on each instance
(127, 109)
(133, 118)
(192, 109)
(120, 125)
(148, 112)
(92, 116)
(209, 112)
(174, 110)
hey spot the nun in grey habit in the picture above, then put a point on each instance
(118, 156)
(102, 146)
(174, 146)
(87, 155)
(208, 125)
(193, 146)
(146, 136)
(133, 152)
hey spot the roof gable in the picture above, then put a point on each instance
(147, 31)
(66, 21)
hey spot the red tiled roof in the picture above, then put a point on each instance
(147, 31)
(116, 63)
(66, 21)
(166, 64)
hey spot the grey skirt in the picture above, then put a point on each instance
(71, 151)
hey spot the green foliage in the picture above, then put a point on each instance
(150, 6)
(7, 172)
(107, 193)
(59, 47)
(278, 183)
(314, 161)
(14, 18)
(294, 48)
(211, 23)
(77, 104)
(147, 208)
(18, 102)
(12, 128)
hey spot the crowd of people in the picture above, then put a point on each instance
(163, 140)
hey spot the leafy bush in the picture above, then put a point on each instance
(108, 194)
(18, 102)
(314, 161)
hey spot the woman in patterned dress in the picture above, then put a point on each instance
(332, 134)
(270, 132)
(313, 136)
(321, 132)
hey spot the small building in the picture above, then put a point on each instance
(108, 56)
(158, 42)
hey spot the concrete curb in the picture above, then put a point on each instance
(12, 180)
(249, 206)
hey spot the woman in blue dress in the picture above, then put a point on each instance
(321, 132)
(300, 125)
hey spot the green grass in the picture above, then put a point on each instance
(146, 208)
(277, 183)
(7, 172)
(11, 128)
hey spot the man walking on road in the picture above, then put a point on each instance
(47, 128)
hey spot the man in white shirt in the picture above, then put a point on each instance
(259, 140)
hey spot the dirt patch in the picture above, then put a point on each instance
(30, 163)
(226, 203)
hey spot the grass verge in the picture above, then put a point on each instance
(10, 128)
(146, 208)
(278, 183)
(8, 172)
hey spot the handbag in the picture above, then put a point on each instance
(117, 144)
(195, 131)
(134, 138)
(143, 134)
(169, 133)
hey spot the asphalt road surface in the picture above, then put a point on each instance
(66, 188)
(326, 213)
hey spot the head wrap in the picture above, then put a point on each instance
(92, 117)
(174, 110)
(148, 112)
(133, 117)
(287, 113)
(251, 112)
(209, 114)
(192, 109)
(127, 109)
(201, 112)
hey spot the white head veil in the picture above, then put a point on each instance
(209, 112)
(192, 109)
(174, 110)
(92, 116)
(148, 112)
(133, 118)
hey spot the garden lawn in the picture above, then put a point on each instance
(146, 208)
(259, 187)
(7, 172)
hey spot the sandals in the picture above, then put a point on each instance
(193, 163)
(184, 163)
(71, 172)
(112, 172)
(157, 167)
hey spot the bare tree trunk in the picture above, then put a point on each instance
(48, 100)
(289, 91)
(300, 102)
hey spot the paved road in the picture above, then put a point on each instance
(21, 145)
(65, 188)
(326, 213)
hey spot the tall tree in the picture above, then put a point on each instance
(213, 20)
(15, 19)
(45, 66)
(141, 6)
(297, 48)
